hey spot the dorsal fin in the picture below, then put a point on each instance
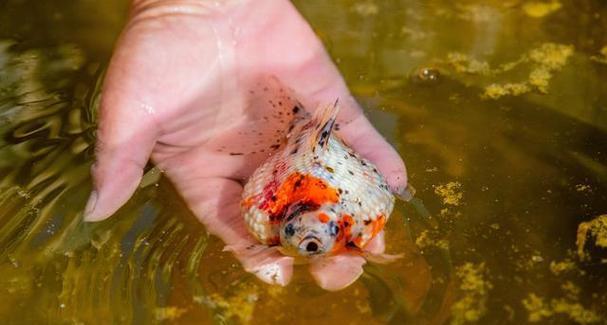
(322, 124)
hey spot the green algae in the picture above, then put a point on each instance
(602, 57)
(561, 267)
(540, 9)
(541, 62)
(539, 309)
(450, 193)
(474, 291)
(596, 229)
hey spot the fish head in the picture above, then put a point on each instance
(311, 233)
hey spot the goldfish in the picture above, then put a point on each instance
(316, 197)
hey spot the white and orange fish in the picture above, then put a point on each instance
(316, 196)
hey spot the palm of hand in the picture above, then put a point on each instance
(183, 88)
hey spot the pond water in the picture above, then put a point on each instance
(498, 107)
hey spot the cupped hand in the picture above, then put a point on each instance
(185, 88)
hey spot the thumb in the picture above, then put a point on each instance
(125, 138)
(367, 141)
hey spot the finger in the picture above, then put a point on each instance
(267, 263)
(337, 272)
(365, 140)
(216, 203)
(125, 138)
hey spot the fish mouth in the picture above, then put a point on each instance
(311, 245)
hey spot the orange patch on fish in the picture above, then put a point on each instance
(377, 225)
(323, 218)
(248, 202)
(344, 235)
(358, 241)
(297, 188)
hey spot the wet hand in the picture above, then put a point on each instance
(178, 91)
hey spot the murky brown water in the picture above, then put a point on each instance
(499, 107)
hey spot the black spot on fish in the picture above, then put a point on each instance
(297, 184)
(329, 169)
(289, 230)
(363, 163)
(351, 173)
(351, 154)
(275, 146)
(295, 109)
(294, 151)
(367, 222)
(298, 208)
(236, 153)
(273, 198)
(340, 190)
(336, 126)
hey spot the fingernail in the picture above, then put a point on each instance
(90, 207)
(406, 194)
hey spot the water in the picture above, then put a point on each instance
(503, 182)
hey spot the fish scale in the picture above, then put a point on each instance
(316, 195)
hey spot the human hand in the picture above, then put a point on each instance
(178, 91)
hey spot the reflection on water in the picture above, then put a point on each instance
(504, 179)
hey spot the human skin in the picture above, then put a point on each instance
(179, 83)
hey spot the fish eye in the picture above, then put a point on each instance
(333, 229)
(289, 230)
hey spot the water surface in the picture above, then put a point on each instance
(498, 107)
